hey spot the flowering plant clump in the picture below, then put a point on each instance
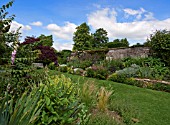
(13, 56)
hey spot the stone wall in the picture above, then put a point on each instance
(119, 53)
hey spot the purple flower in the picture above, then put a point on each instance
(13, 56)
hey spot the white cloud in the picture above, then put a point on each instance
(134, 12)
(63, 46)
(149, 16)
(38, 23)
(135, 30)
(62, 32)
(15, 25)
(138, 14)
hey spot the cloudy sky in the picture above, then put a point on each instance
(131, 19)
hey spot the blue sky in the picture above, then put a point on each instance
(131, 19)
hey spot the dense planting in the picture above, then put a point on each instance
(32, 94)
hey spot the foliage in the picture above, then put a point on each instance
(7, 38)
(88, 93)
(62, 68)
(96, 71)
(99, 38)
(82, 37)
(117, 78)
(46, 40)
(160, 44)
(103, 98)
(79, 63)
(138, 45)
(19, 81)
(33, 45)
(129, 71)
(47, 55)
(113, 65)
(31, 40)
(24, 111)
(149, 62)
(118, 43)
(149, 105)
(63, 56)
(61, 102)
(52, 66)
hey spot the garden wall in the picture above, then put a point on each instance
(119, 53)
(113, 53)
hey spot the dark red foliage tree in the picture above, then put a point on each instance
(47, 52)
(47, 55)
(29, 40)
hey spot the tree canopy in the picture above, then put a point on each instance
(83, 40)
(82, 37)
(6, 38)
(99, 38)
(118, 43)
(159, 42)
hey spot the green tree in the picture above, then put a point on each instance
(118, 43)
(82, 37)
(99, 38)
(5, 37)
(46, 40)
(124, 42)
(159, 42)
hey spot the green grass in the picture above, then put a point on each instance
(153, 107)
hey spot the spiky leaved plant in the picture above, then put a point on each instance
(24, 111)
(103, 98)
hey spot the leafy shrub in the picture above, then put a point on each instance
(113, 65)
(78, 71)
(47, 55)
(61, 102)
(160, 87)
(145, 72)
(143, 62)
(62, 68)
(117, 78)
(159, 43)
(96, 71)
(12, 81)
(129, 71)
(80, 64)
(63, 56)
(52, 66)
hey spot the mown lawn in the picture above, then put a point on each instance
(152, 107)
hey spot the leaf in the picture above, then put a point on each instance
(47, 100)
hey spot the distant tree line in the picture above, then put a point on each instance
(84, 40)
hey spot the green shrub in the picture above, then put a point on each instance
(80, 64)
(117, 78)
(52, 66)
(62, 68)
(113, 65)
(159, 43)
(128, 72)
(97, 71)
(61, 102)
(90, 73)
(78, 71)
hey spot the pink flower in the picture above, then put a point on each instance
(13, 56)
